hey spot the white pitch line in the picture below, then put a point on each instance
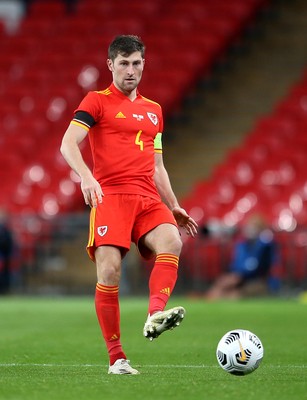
(144, 365)
(97, 365)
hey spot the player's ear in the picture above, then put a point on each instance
(110, 64)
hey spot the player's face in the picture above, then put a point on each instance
(127, 71)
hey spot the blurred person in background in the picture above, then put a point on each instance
(254, 265)
(6, 253)
(125, 193)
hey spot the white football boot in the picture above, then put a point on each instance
(163, 321)
(122, 367)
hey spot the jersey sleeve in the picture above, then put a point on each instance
(89, 111)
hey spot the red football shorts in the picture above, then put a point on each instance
(124, 218)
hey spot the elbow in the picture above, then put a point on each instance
(62, 151)
(63, 148)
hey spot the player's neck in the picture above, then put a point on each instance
(130, 95)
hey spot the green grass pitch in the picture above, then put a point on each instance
(52, 349)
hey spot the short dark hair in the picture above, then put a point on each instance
(125, 45)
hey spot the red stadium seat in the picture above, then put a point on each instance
(54, 8)
(38, 27)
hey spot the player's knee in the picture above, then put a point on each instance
(175, 245)
(108, 274)
(108, 264)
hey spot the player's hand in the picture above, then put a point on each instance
(92, 191)
(185, 221)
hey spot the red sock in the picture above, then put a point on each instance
(108, 314)
(162, 281)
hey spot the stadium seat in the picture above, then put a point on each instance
(54, 8)
(93, 9)
(38, 27)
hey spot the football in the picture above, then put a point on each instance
(239, 352)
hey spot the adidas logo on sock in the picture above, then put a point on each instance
(166, 290)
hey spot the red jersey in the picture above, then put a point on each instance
(123, 139)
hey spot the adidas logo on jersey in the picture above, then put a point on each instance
(120, 115)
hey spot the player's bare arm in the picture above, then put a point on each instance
(166, 192)
(70, 150)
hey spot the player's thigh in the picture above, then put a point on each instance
(108, 264)
(164, 238)
(111, 223)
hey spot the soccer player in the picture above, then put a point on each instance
(125, 193)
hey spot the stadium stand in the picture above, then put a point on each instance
(55, 58)
(265, 173)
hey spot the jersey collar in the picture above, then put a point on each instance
(116, 91)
